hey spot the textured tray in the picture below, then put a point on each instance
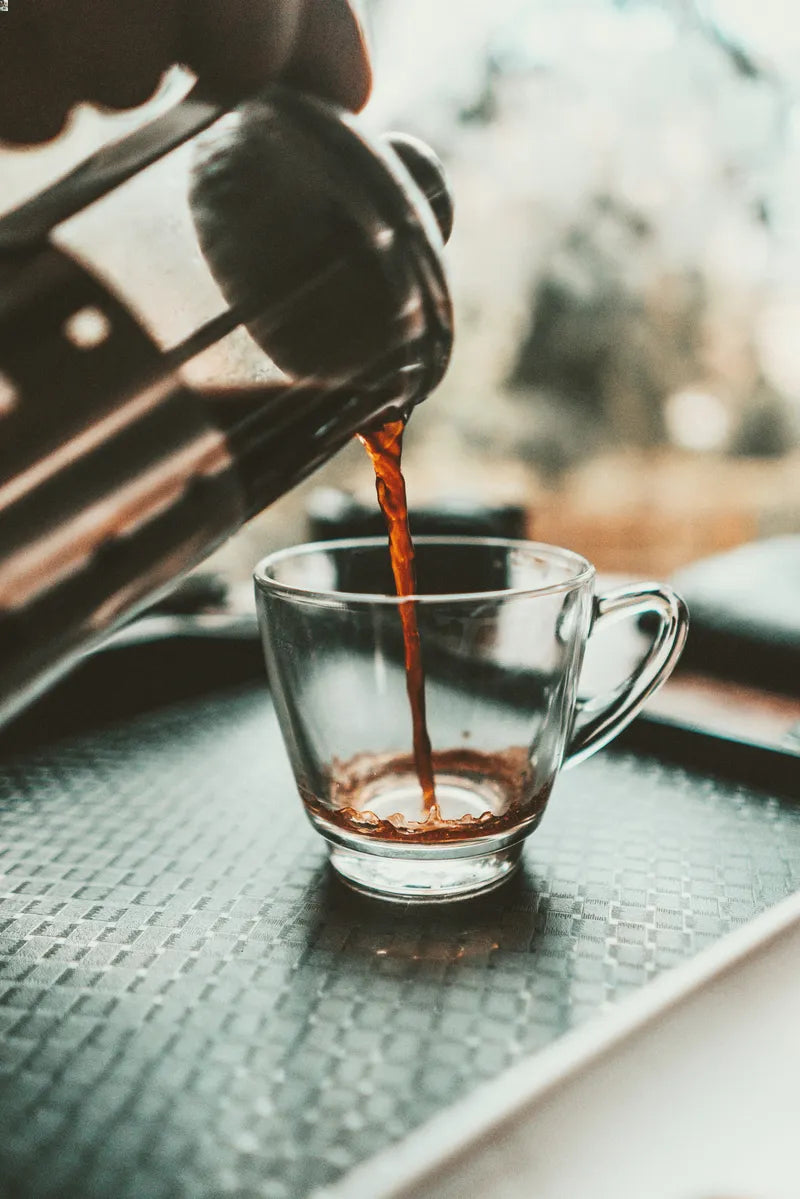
(190, 1005)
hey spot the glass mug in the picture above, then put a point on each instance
(503, 627)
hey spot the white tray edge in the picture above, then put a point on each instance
(491, 1105)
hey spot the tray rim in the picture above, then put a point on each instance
(526, 1085)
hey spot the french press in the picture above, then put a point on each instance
(115, 476)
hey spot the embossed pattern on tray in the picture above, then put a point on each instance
(191, 1006)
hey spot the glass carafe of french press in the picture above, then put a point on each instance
(116, 477)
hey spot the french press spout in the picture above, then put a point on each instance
(115, 477)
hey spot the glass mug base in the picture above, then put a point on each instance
(450, 859)
(424, 879)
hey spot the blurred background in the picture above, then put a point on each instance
(625, 268)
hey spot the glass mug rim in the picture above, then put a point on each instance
(583, 571)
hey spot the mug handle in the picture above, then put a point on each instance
(599, 718)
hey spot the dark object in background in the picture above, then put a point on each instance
(745, 613)
(201, 592)
(775, 768)
(334, 514)
(202, 636)
(152, 664)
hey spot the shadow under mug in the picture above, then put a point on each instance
(503, 627)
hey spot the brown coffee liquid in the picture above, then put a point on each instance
(503, 778)
(384, 447)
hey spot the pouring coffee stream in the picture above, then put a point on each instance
(384, 447)
(322, 243)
